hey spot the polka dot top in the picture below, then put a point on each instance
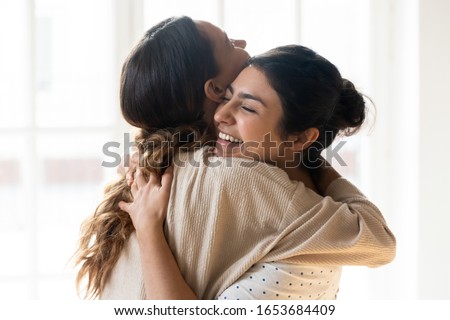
(283, 281)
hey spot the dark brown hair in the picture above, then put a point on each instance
(313, 94)
(161, 93)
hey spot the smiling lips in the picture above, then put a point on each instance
(227, 137)
(226, 144)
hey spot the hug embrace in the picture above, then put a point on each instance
(261, 215)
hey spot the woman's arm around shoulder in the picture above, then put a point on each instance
(340, 227)
(162, 277)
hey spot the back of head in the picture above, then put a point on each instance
(164, 75)
(162, 93)
(162, 89)
(313, 94)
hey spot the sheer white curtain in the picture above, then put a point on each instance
(60, 62)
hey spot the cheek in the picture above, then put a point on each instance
(250, 129)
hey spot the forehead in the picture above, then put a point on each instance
(253, 81)
(252, 77)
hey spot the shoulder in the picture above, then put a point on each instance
(241, 172)
(341, 189)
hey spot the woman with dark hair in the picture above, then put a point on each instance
(224, 216)
(297, 101)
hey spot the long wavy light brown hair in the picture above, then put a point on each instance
(161, 93)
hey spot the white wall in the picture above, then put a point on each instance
(434, 173)
(392, 149)
(407, 152)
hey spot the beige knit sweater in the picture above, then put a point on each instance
(226, 215)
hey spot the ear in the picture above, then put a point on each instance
(304, 139)
(213, 91)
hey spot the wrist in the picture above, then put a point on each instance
(150, 232)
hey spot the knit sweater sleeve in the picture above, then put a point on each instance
(343, 228)
(341, 190)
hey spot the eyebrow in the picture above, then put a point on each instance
(243, 95)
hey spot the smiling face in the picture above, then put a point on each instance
(230, 57)
(230, 54)
(248, 121)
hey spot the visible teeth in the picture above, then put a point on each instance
(225, 136)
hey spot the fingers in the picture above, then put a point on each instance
(130, 178)
(134, 159)
(164, 182)
(153, 179)
(129, 167)
(124, 206)
(134, 189)
(139, 179)
(166, 179)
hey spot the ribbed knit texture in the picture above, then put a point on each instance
(227, 215)
(126, 282)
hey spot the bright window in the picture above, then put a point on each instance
(58, 109)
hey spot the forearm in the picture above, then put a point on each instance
(345, 228)
(162, 277)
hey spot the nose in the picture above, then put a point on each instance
(224, 114)
(239, 43)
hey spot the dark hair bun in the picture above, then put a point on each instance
(350, 110)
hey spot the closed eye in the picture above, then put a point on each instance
(248, 109)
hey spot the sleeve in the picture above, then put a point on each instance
(374, 235)
(343, 228)
(343, 191)
(283, 281)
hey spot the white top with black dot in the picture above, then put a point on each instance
(283, 281)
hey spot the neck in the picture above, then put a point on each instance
(302, 174)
